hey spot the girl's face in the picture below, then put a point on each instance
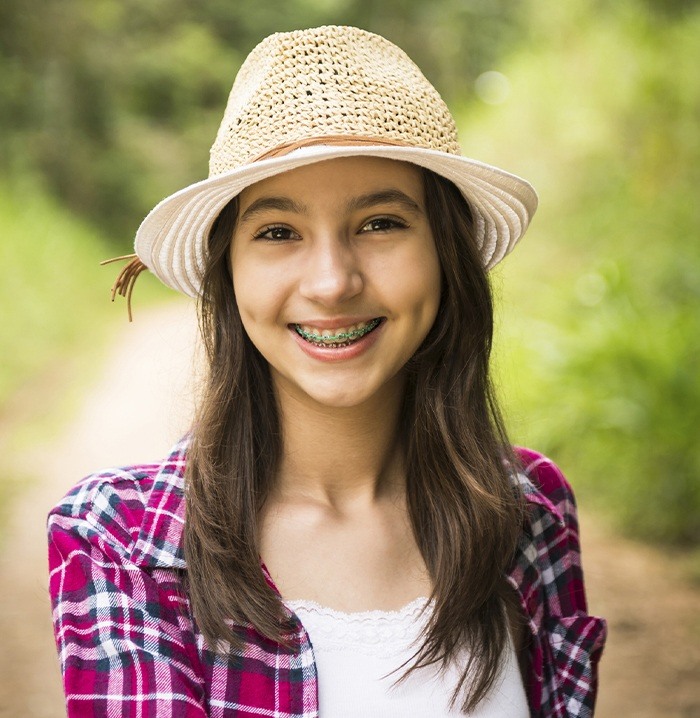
(336, 277)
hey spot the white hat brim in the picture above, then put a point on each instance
(171, 240)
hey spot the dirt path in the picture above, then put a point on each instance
(134, 410)
(652, 664)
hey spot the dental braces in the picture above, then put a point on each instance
(341, 337)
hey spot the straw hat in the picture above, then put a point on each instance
(312, 95)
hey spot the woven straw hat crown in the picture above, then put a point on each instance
(311, 95)
(325, 82)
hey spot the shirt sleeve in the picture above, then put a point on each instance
(573, 640)
(564, 573)
(123, 640)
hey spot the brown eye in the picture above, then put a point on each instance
(382, 224)
(277, 233)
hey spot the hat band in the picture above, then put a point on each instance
(330, 140)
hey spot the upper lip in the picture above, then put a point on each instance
(334, 323)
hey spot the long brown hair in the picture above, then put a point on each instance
(465, 514)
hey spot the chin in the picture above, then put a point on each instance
(343, 399)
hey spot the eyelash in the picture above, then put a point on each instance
(390, 223)
(272, 228)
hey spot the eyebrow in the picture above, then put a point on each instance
(263, 204)
(385, 196)
(365, 201)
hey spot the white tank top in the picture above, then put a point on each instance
(355, 654)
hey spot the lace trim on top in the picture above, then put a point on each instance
(375, 633)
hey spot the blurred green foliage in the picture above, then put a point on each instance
(600, 342)
(114, 104)
(49, 283)
(49, 315)
(56, 318)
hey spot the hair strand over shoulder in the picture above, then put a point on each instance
(464, 510)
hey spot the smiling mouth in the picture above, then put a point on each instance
(336, 338)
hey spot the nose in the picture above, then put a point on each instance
(331, 274)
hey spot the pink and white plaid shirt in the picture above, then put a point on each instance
(128, 644)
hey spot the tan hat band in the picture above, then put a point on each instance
(330, 141)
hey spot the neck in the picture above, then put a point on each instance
(340, 456)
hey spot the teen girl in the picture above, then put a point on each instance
(346, 530)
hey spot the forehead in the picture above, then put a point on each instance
(340, 176)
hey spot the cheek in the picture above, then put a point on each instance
(413, 287)
(426, 283)
(259, 292)
(430, 290)
(244, 282)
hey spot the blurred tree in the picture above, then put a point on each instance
(672, 8)
(115, 102)
(610, 357)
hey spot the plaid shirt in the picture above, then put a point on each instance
(128, 645)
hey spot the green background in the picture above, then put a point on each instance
(106, 106)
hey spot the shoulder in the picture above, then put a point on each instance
(130, 510)
(547, 566)
(547, 574)
(544, 484)
(546, 474)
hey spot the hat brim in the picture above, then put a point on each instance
(171, 240)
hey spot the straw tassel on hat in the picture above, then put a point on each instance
(311, 95)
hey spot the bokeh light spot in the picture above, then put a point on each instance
(492, 87)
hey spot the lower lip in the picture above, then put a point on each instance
(328, 354)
